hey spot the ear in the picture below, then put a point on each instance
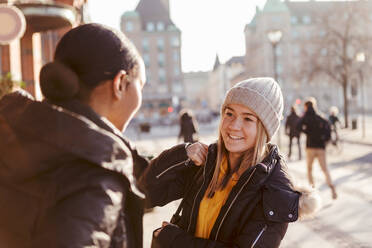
(118, 84)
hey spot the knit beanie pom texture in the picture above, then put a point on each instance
(261, 95)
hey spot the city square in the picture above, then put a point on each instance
(247, 116)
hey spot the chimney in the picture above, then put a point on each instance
(166, 4)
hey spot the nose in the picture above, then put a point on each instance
(235, 124)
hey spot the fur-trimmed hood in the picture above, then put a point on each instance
(309, 202)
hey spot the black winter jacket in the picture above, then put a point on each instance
(309, 124)
(66, 178)
(255, 214)
(291, 125)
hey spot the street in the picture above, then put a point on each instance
(344, 222)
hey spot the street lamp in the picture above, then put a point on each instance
(274, 37)
(361, 58)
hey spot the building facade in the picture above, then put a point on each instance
(158, 40)
(303, 44)
(220, 80)
(46, 22)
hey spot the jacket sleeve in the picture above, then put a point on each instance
(256, 234)
(262, 234)
(88, 216)
(174, 237)
(300, 125)
(167, 177)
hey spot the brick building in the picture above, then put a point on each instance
(46, 22)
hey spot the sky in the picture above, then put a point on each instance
(208, 27)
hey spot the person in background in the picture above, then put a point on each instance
(292, 131)
(317, 132)
(236, 192)
(335, 122)
(68, 176)
(188, 126)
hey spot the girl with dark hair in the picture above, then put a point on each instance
(242, 195)
(67, 175)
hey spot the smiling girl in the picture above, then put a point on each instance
(243, 196)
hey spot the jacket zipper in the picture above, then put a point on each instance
(186, 162)
(219, 227)
(193, 205)
(259, 236)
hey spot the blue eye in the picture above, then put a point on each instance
(228, 113)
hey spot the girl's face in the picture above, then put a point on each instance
(131, 102)
(238, 128)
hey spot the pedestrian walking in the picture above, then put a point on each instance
(334, 121)
(292, 131)
(188, 126)
(236, 192)
(68, 176)
(317, 130)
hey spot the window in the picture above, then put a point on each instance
(279, 69)
(322, 33)
(150, 27)
(148, 77)
(176, 71)
(162, 89)
(161, 59)
(160, 26)
(278, 50)
(160, 43)
(145, 45)
(306, 19)
(310, 50)
(177, 87)
(146, 60)
(275, 19)
(294, 19)
(129, 26)
(296, 50)
(323, 51)
(176, 57)
(175, 41)
(161, 75)
(295, 34)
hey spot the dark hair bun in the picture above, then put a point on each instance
(58, 82)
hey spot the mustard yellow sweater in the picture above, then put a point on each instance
(210, 207)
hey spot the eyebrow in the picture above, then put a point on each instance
(245, 113)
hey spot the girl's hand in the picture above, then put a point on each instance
(164, 224)
(197, 152)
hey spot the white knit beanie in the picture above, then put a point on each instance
(261, 95)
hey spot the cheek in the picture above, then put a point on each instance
(250, 133)
(226, 121)
(224, 125)
(137, 95)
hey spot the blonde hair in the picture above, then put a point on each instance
(333, 110)
(249, 159)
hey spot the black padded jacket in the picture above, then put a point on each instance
(256, 213)
(66, 178)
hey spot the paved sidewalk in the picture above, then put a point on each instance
(356, 136)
